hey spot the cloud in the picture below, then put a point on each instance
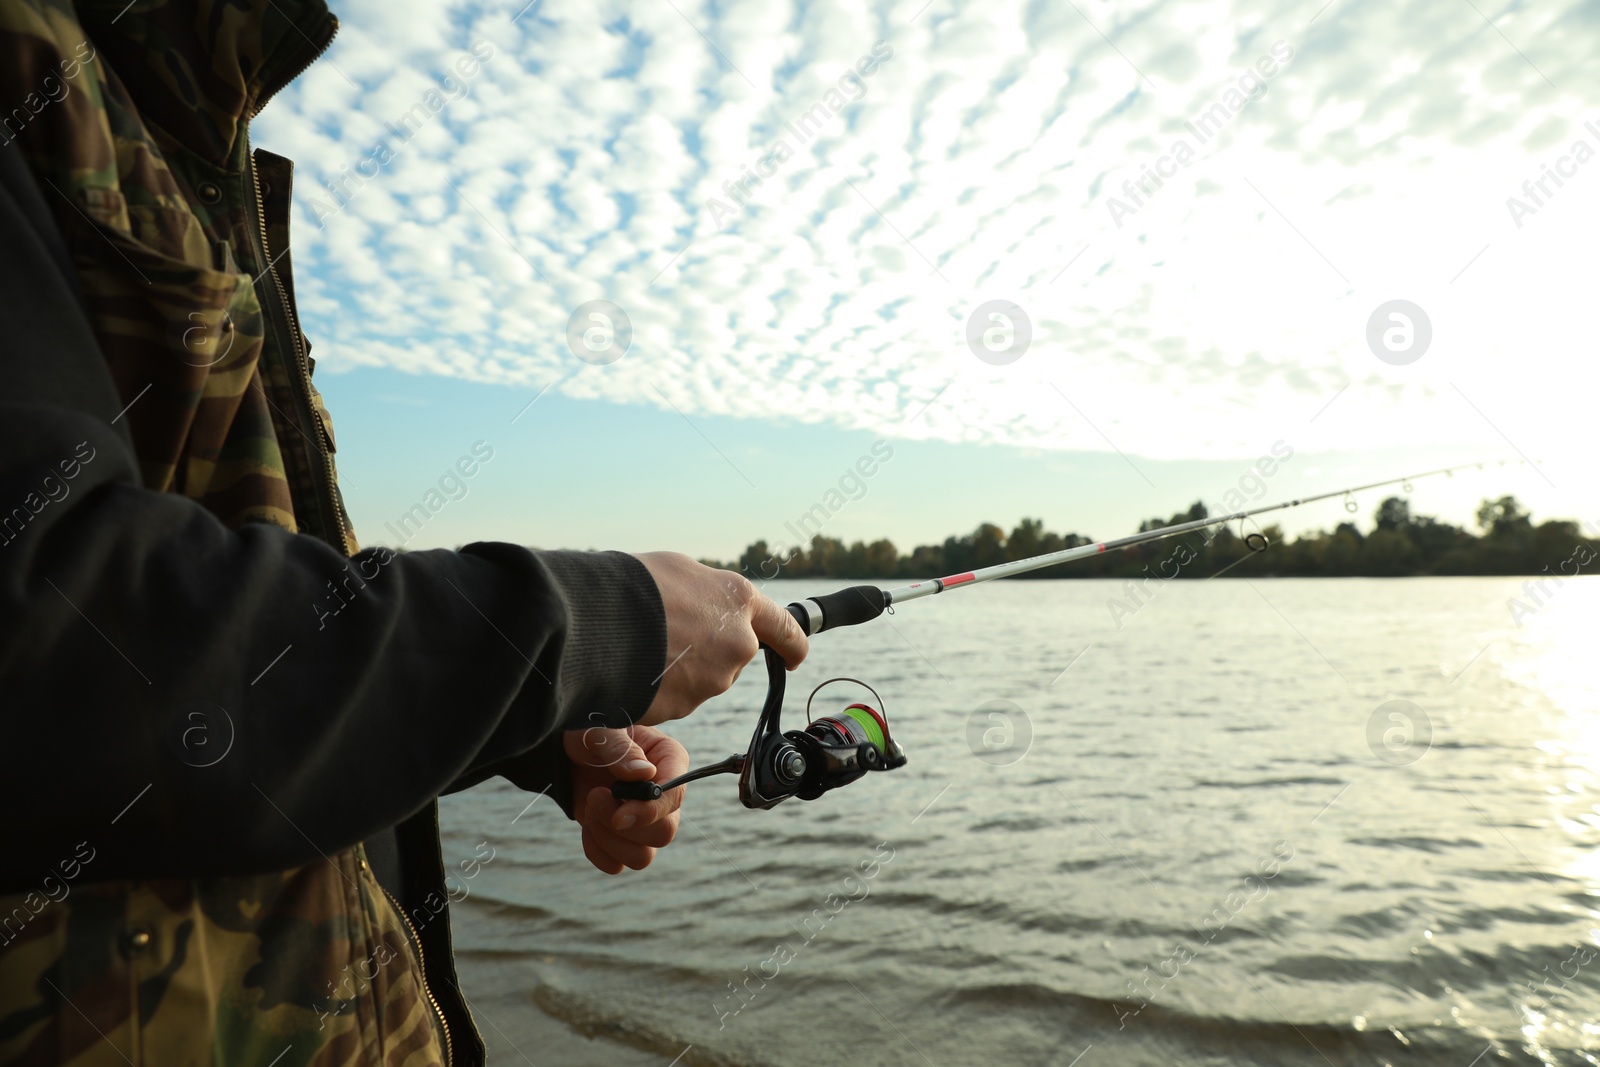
(588, 156)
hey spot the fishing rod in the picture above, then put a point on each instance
(835, 750)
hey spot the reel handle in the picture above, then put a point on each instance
(653, 790)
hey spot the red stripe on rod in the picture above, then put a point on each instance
(957, 579)
(1102, 548)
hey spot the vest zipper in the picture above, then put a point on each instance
(422, 963)
(302, 378)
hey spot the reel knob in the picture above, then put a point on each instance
(788, 764)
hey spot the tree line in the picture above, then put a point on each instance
(1400, 544)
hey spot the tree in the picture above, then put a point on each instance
(1400, 543)
(1026, 540)
(1388, 553)
(988, 545)
(882, 558)
(756, 562)
(1393, 514)
(1502, 518)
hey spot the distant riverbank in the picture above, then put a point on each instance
(1399, 544)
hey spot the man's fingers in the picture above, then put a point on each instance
(600, 808)
(658, 835)
(610, 850)
(635, 820)
(670, 760)
(624, 834)
(722, 618)
(776, 627)
(638, 814)
(598, 856)
(613, 749)
(618, 850)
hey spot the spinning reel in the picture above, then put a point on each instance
(831, 751)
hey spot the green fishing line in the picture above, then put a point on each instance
(868, 723)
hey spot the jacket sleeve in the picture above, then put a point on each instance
(182, 698)
(545, 769)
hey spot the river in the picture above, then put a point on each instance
(1285, 822)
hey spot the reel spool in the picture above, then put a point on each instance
(832, 750)
(855, 724)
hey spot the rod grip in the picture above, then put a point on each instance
(847, 607)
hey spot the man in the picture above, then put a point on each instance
(221, 843)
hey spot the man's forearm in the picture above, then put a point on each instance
(125, 612)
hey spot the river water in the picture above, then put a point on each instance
(1249, 822)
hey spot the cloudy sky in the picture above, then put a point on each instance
(816, 227)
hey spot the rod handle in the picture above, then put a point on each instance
(847, 607)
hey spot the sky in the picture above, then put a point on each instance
(680, 268)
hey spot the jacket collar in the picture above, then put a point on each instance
(200, 69)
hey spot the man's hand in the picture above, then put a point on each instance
(624, 833)
(715, 621)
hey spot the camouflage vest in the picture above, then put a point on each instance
(134, 118)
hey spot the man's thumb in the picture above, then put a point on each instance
(602, 747)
